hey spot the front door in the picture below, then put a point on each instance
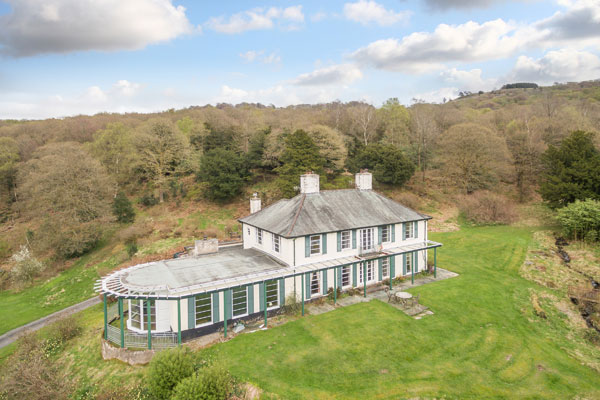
(370, 272)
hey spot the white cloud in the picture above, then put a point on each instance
(341, 74)
(368, 11)
(448, 4)
(254, 55)
(468, 80)
(62, 26)
(258, 19)
(126, 88)
(318, 16)
(578, 24)
(438, 95)
(556, 66)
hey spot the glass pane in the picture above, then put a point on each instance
(272, 293)
(314, 283)
(385, 264)
(134, 306)
(145, 315)
(203, 309)
(315, 244)
(345, 240)
(240, 301)
(346, 276)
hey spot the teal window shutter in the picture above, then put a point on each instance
(354, 267)
(306, 246)
(250, 299)
(215, 307)
(353, 238)
(403, 231)
(379, 234)
(393, 228)
(227, 304)
(307, 279)
(325, 281)
(191, 312)
(281, 292)
(416, 229)
(380, 262)
(261, 293)
(404, 264)
(392, 267)
(324, 243)
(339, 241)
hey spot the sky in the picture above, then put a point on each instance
(67, 57)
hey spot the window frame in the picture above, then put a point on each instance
(244, 290)
(385, 267)
(135, 304)
(210, 309)
(408, 263)
(319, 245)
(346, 273)
(268, 295)
(386, 234)
(276, 243)
(312, 283)
(259, 236)
(367, 235)
(347, 241)
(409, 230)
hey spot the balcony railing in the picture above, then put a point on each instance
(137, 340)
(366, 250)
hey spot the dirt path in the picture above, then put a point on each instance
(13, 335)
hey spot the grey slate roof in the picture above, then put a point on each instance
(330, 211)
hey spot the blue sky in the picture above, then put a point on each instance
(68, 57)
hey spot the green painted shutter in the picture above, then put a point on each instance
(416, 229)
(379, 234)
(354, 268)
(281, 292)
(404, 264)
(353, 238)
(380, 262)
(215, 307)
(308, 276)
(393, 228)
(392, 267)
(324, 243)
(306, 246)
(250, 289)
(261, 293)
(325, 281)
(227, 304)
(403, 231)
(339, 241)
(191, 312)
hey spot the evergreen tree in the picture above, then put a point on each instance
(571, 171)
(256, 149)
(122, 208)
(225, 172)
(300, 155)
(388, 163)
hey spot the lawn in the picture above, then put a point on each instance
(483, 341)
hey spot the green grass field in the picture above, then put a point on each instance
(482, 342)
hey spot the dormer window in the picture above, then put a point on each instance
(276, 243)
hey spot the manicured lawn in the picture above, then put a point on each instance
(483, 341)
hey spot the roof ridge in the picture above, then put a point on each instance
(297, 214)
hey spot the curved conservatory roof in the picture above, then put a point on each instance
(230, 267)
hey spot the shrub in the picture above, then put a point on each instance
(581, 219)
(77, 240)
(66, 329)
(132, 248)
(122, 208)
(26, 267)
(210, 383)
(485, 207)
(330, 293)
(148, 200)
(292, 306)
(167, 369)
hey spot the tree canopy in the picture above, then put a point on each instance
(224, 171)
(300, 155)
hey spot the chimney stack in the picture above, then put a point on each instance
(255, 205)
(364, 180)
(309, 183)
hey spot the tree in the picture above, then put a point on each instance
(225, 171)
(471, 156)
(300, 155)
(69, 191)
(571, 171)
(213, 382)
(424, 132)
(388, 163)
(163, 152)
(363, 119)
(167, 369)
(114, 148)
(256, 148)
(330, 144)
(224, 138)
(581, 220)
(395, 120)
(122, 208)
(9, 158)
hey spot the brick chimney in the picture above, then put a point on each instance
(309, 183)
(364, 180)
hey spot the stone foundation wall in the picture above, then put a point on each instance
(131, 357)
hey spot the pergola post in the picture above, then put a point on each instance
(412, 270)
(149, 324)
(105, 319)
(303, 294)
(265, 298)
(435, 262)
(121, 320)
(334, 285)
(365, 277)
(179, 322)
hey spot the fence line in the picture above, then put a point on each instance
(162, 340)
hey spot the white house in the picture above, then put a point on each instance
(296, 248)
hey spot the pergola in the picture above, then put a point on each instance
(114, 285)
